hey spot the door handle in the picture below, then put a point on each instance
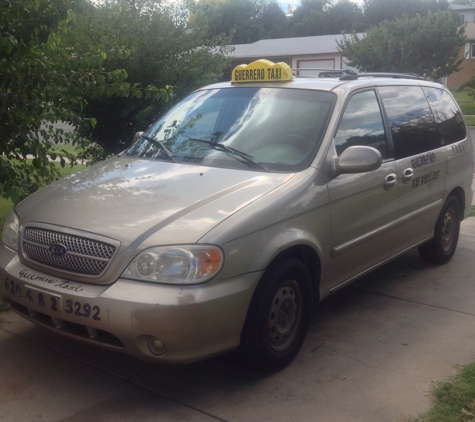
(390, 181)
(407, 175)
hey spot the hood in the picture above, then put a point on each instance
(147, 202)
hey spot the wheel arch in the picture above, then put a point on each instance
(459, 194)
(309, 258)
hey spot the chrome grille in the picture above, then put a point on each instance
(84, 256)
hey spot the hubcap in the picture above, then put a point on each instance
(448, 228)
(284, 315)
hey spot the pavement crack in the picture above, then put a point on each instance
(349, 357)
(370, 366)
(411, 301)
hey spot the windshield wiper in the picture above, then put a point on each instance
(233, 151)
(162, 145)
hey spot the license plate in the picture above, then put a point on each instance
(51, 303)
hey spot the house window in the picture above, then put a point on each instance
(472, 51)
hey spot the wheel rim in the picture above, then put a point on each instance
(448, 229)
(285, 315)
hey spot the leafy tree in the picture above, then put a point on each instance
(273, 20)
(323, 17)
(43, 81)
(344, 16)
(308, 18)
(426, 46)
(242, 21)
(165, 50)
(377, 11)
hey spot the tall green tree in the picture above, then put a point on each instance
(165, 50)
(325, 17)
(425, 45)
(242, 21)
(377, 11)
(308, 18)
(42, 80)
(344, 16)
(273, 20)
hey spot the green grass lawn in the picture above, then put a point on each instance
(454, 401)
(470, 120)
(466, 103)
(70, 149)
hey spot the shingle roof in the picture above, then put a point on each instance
(289, 46)
(459, 7)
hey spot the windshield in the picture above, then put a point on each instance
(265, 129)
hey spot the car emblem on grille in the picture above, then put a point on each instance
(58, 250)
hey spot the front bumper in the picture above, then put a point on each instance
(192, 322)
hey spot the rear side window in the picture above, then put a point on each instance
(447, 115)
(411, 121)
(362, 124)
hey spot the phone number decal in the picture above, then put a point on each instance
(425, 179)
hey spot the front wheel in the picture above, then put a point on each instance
(278, 317)
(442, 247)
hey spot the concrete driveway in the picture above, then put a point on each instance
(373, 353)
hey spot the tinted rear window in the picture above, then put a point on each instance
(411, 120)
(447, 115)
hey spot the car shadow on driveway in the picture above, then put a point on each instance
(372, 353)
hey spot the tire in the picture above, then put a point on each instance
(442, 247)
(278, 317)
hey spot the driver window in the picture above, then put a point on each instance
(362, 124)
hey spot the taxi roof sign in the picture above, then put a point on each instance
(262, 71)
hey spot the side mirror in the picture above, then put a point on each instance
(358, 159)
(137, 136)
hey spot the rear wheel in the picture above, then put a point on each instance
(278, 316)
(442, 247)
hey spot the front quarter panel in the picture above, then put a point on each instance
(295, 214)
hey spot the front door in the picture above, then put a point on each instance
(363, 206)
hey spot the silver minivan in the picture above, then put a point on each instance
(246, 204)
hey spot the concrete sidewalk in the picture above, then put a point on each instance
(373, 353)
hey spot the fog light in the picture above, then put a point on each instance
(156, 346)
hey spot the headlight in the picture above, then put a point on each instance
(187, 264)
(10, 231)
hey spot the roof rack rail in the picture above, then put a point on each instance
(348, 74)
(392, 75)
(325, 72)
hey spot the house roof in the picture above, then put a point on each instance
(461, 8)
(289, 46)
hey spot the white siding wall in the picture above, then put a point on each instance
(321, 61)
